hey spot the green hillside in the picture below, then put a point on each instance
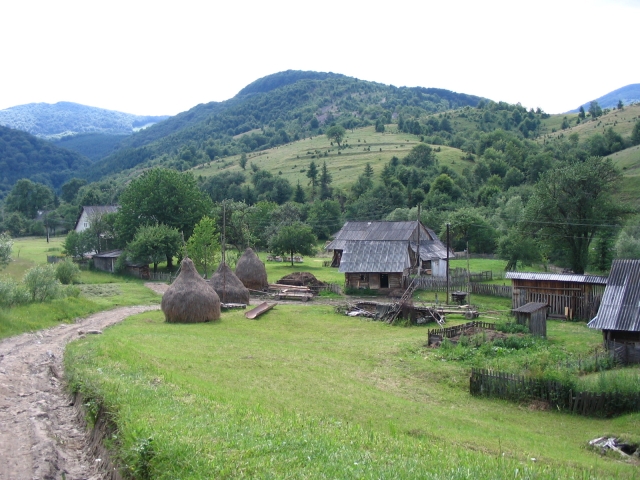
(24, 156)
(270, 112)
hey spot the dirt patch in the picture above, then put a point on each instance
(41, 435)
(159, 288)
(301, 279)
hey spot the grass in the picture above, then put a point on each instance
(98, 291)
(292, 160)
(277, 270)
(306, 393)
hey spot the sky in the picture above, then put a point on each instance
(162, 58)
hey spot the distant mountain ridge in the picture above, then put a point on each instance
(50, 121)
(628, 94)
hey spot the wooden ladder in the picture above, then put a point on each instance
(408, 293)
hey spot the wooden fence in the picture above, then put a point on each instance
(438, 334)
(518, 388)
(460, 283)
(625, 353)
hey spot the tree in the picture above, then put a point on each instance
(27, 197)
(635, 134)
(312, 175)
(620, 105)
(77, 244)
(325, 218)
(469, 226)
(572, 203)
(204, 244)
(517, 247)
(154, 243)
(243, 161)
(421, 156)
(70, 189)
(292, 239)
(594, 109)
(161, 196)
(6, 244)
(298, 194)
(336, 134)
(325, 182)
(581, 113)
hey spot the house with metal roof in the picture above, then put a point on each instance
(619, 313)
(568, 295)
(381, 255)
(90, 213)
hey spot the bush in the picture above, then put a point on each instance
(67, 272)
(42, 284)
(511, 327)
(12, 293)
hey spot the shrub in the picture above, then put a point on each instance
(67, 272)
(42, 284)
(511, 327)
(12, 293)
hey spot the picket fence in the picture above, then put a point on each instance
(460, 283)
(560, 396)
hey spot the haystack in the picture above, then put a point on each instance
(229, 287)
(251, 271)
(190, 299)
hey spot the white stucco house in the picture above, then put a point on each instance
(89, 213)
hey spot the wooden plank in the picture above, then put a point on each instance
(259, 310)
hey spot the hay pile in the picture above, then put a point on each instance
(251, 271)
(229, 287)
(190, 299)
(301, 279)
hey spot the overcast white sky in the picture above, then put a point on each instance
(159, 57)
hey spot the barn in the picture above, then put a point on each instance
(381, 255)
(619, 313)
(568, 295)
(106, 262)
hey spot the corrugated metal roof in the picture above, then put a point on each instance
(374, 256)
(111, 254)
(100, 209)
(431, 249)
(377, 231)
(530, 307)
(557, 277)
(620, 306)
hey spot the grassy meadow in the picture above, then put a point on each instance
(365, 146)
(306, 393)
(97, 291)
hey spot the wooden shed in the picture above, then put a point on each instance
(568, 295)
(619, 313)
(534, 316)
(106, 262)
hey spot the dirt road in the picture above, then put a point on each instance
(40, 434)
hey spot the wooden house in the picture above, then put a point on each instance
(89, 213)
(568, 295)
(381, 255)
(534, 316)
(106, 262)
(619, 313)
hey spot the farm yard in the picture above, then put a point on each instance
(305, 391)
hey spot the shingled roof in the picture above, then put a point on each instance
(620, 306)
(377, 231)
(374, 256)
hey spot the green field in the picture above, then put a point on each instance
(289, 160)
(307, 393)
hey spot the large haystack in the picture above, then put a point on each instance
(229, 287)
(251, 271)
(190, 299)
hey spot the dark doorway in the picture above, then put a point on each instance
(384, 280)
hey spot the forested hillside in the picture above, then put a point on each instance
(273, 111)
(60, 119)
(24, 156)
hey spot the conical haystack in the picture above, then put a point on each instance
(251, 271)
(229, 287)
(190, 299)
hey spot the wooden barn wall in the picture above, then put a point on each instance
(536, 321)
(372, 280)
(105, 264)
(582, 298)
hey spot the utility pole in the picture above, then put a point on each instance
(447, 266)
(418, 249)
(224, 260)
